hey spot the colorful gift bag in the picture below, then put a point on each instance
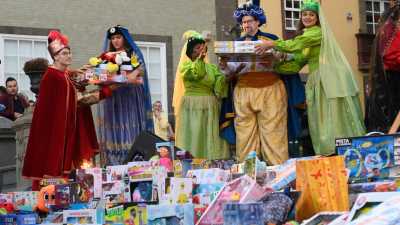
(323, 184)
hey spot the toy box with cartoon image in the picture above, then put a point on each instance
(117, 191)
(181, 190)
(140, 171)
(368, 156)
(90, 181)
(113, 173)
(25, 200)
(127, 214)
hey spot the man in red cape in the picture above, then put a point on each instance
(62, 133)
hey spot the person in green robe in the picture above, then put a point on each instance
(197, 129)
(332, 96)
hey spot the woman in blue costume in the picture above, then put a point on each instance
(128, 112)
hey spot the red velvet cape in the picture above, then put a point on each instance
(62, 134)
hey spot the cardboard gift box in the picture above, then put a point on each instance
(167, 214)
(369, 156)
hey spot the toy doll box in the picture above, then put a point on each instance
(369, 156)
(167, 214)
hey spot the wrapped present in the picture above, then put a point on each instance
(368, 156)
(113, 173)
(323, 183)
(242, 190)
(383, 186)
(167, 214)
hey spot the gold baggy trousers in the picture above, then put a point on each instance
(261, 122)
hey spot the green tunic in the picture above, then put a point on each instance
(330, 116)
(198, 127)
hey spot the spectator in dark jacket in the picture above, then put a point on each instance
(14, 103)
